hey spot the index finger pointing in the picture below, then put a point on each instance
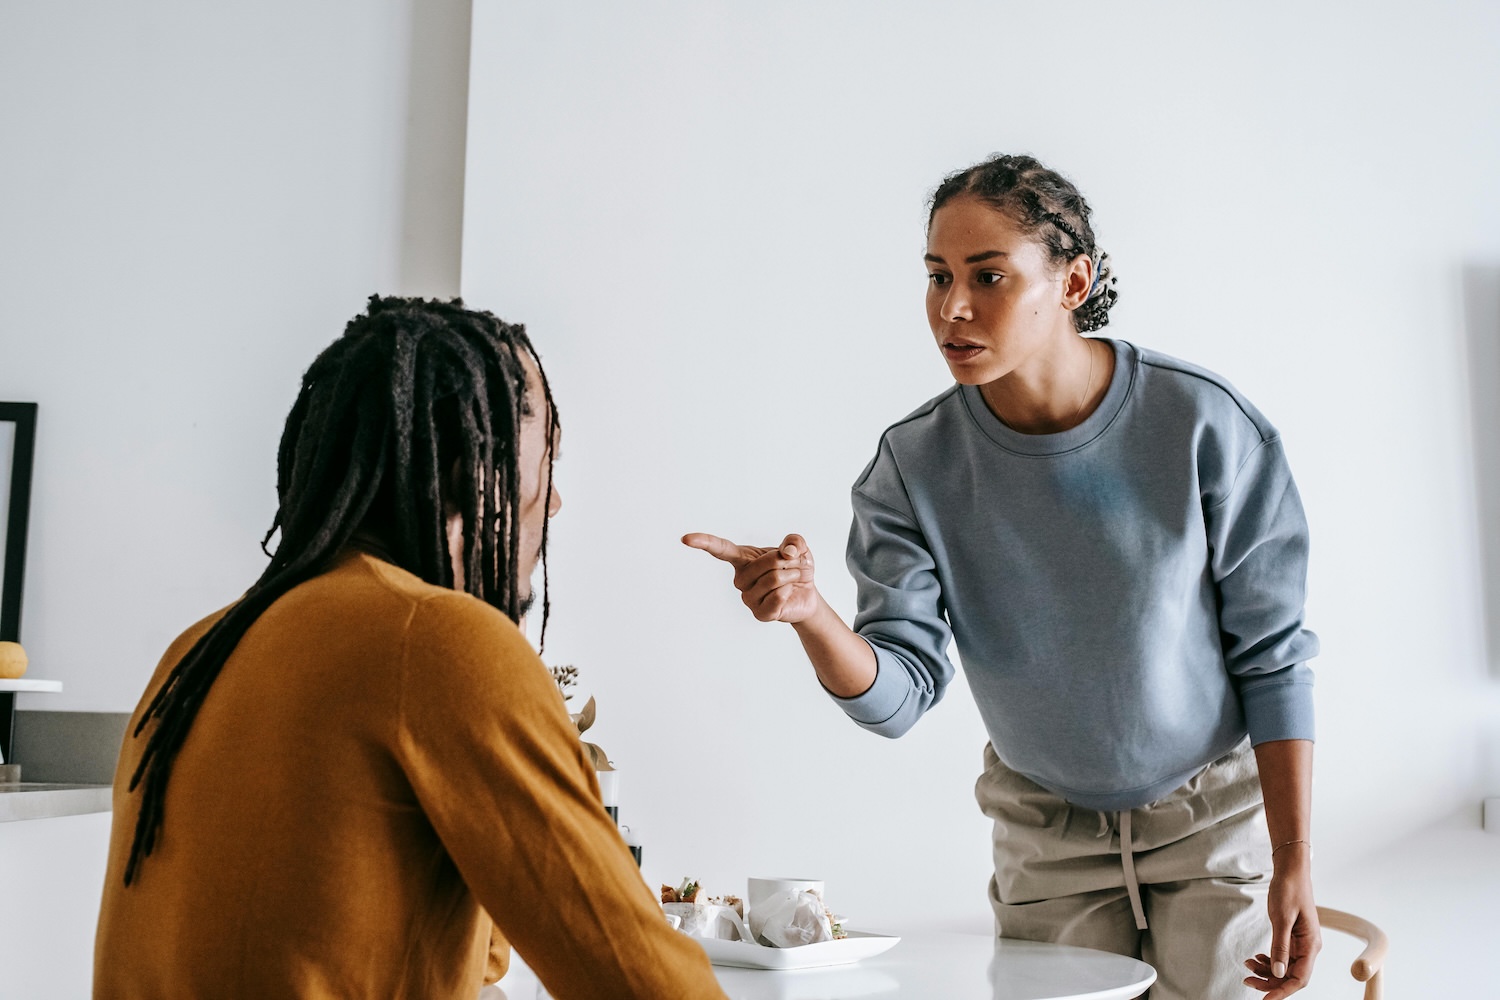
(719, 548)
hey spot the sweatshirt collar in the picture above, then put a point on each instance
(1094, 425)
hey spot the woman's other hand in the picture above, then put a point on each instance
(1295, 936)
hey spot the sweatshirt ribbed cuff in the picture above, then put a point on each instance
(1280, 710)
(884, 698)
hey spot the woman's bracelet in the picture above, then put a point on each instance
(1289, 843)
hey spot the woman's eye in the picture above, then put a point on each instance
(937, 278)
(990, 277)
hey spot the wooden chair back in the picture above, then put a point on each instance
(1367, 967)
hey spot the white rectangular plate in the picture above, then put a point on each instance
(748, 955)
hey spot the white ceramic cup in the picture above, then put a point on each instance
(767, 897)
(757, 889)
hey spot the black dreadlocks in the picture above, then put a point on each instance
(413, 414)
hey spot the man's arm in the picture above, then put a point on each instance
(500, 773)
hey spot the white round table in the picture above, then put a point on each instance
(926, 964)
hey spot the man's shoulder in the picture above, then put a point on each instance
(448, 646)
(434, 609)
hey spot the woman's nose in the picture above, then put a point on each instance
(956, 304)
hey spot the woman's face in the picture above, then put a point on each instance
(994, 300)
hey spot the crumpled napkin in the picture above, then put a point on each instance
(708, 920)
(790, 920)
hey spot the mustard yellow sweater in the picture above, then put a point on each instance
(380, 763)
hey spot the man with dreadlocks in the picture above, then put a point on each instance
(328, 785)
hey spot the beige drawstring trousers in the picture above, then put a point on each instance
(1180, 883)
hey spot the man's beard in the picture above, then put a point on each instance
(526, 604)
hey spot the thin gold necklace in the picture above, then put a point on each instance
(1087, 385)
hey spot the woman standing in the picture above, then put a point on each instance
(1114, 540)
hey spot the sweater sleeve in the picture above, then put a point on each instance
(1259, 547)
(498, 768)
(900, 608)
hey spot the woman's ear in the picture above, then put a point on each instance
(1077, 281)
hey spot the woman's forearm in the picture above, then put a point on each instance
(1286, 782)
(845, 663)
(1286, 785)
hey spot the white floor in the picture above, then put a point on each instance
(1437, 896)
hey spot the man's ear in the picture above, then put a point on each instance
(453, 530)
(450, 489)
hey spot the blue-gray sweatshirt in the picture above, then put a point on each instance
(1126, 596)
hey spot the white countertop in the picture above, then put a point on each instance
(34, 800)
(926, 964)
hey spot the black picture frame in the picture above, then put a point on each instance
(17, 515)
(18, 462)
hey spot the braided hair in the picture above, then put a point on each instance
(1050, 209)
(399, 423)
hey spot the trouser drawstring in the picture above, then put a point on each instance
(1127, 859)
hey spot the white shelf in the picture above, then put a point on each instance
(34, 687)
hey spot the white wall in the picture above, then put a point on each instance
(710, 215)
(194, 198)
